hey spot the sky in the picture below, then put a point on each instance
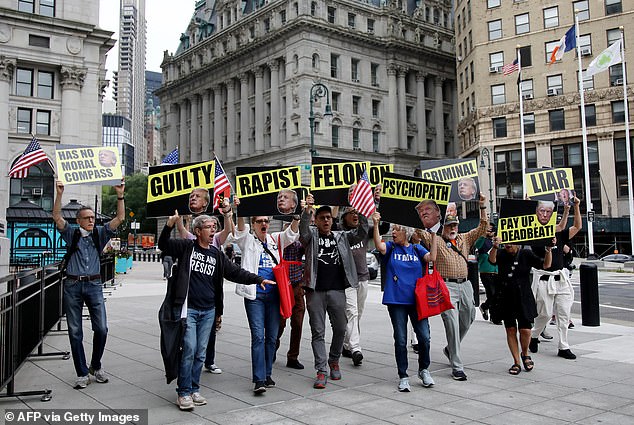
(166, 20)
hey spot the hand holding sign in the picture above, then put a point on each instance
(171, 221)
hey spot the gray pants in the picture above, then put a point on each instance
(458, 320)
(318, 303)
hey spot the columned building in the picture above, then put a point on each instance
(488, 35)
(240, 83)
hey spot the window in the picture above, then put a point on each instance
(370, 26)
(613, 35)
(356, 100)
(315, 61)
(267, 24)
(45, 85)
(374, 71)
(331, 14)
(554, 84)
(550, 46)
(39, 41)
(375, 141)
(571, 155)
(527, 89)
(47, 8)
(508, 172)
(551, 17)
(472, 72)
(616, 74)
(313, 8)
(354, 70)
(522, 24)
(591, 115)
(527, 58)
(498, 95)
(495, 29)
(24, 120)
(334, 59)
(43, 123)
(499, 127)
(583, 8)
(27, 6)
(585, 44)
(375, 108)
(529, 123)
(24, 82)
(556, 120)
(335, 100)
(283, 17)
(356, 132)
(613, 6)
(493, 3)
(618, 111)
(351, 20)
(496, 59)
(588, 82)
(335, 136)
(620, 157)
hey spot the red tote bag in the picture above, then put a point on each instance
(432, 295)
(281, 272)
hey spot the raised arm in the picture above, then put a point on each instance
(116, 222)
(431, 255)
(240, 220)
(305, 234)
(227, 212)
(378, 242)
(576, 224)
(57, 206)
(493, 252)
(564, 219)
(183, 230)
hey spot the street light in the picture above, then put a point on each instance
(484, 153)
(317, 91)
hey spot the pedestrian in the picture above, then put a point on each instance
(451, 263)
(405, 264)
(83, 284)
(488, 276)
(329, 269)
(196, 294)
(168, 262)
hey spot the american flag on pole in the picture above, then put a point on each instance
(171, 158)
(33, 154)
(510, 68)
(222, 188)
(362, 198)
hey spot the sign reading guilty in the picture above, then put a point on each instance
(80, 164)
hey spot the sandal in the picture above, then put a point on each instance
(515, 369)
(528, 363)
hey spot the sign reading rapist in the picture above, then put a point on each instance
(461, 173)
(269, 190)
(414, 202)
(550, 184)
(83, 164)
(527, 222)
(187, 188)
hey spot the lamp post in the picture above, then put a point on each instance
(486, 154)
(317, 91)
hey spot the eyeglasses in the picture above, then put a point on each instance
(92, 218)
(262, 220)
(210, 226)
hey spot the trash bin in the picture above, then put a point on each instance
(589, 287)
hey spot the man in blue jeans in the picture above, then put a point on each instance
(196, 294)
(83, 283)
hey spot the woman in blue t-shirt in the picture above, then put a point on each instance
(404, 264)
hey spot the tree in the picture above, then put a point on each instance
(135, 203)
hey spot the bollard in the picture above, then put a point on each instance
(589, 286)
(474, 278)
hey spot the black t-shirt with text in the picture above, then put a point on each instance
(563, 238)
(330, 273)
(202, 276)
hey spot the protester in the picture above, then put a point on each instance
(196, 293)
(83, 282)
(405, 263)
(329, 269)
(168, 262)
(451, 263)
(260, 255)
(516, 298)
(488, 276)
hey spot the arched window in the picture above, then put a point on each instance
(38, 186)
(295, 63)
(315, 61)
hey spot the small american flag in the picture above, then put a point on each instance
(362, 198)
(33, 155)
(510, 68)
(222, 188)
(171, 158)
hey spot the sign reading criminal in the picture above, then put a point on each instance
(462, 174)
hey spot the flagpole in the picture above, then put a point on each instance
(628, 147)
(523, 146)
(584, 135)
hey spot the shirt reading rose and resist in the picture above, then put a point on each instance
(202, 278)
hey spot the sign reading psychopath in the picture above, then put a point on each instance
(269, 190)
(461, 173)
(527, 222)
(550, 183)
(414, 202)
(81, 164)
(332, 180)
(187, 188)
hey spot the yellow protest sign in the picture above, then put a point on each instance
(78, 164)
(269, 181)
(180, 181)
(451, 172)
(411, 190)
(336, 175)
(525, 228)
(548, 181)
(377, 171)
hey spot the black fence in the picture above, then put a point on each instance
(31, 305)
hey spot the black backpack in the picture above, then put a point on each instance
(74, 246)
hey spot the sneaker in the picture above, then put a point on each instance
(198, 399)
(533, 345)
(546, 335)
(259, 387)
(346, 353)
(335, 373)
(571, 325)
(357, 358)
(82, 382)
(485, 313)
(459, 375)
(425, 376)
(269, 383)
(552, 320)
(415, 348)
(320, 380)
(214, 369)
(566, 354)
(294, 364)
(185, 402)
(403, 385)
(100, 375)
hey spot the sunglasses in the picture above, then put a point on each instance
(262, 220)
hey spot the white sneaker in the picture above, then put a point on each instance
(214, 369)
(425, 376)
(403, 385)
(100, 375)
(82, 382)
(198, 399)
(185, 402)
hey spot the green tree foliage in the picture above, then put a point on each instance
(135, 202)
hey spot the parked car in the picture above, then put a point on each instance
(618, 258)
(373, 265)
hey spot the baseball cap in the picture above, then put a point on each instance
(451, 219)
(347, 210)
(323, 208)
